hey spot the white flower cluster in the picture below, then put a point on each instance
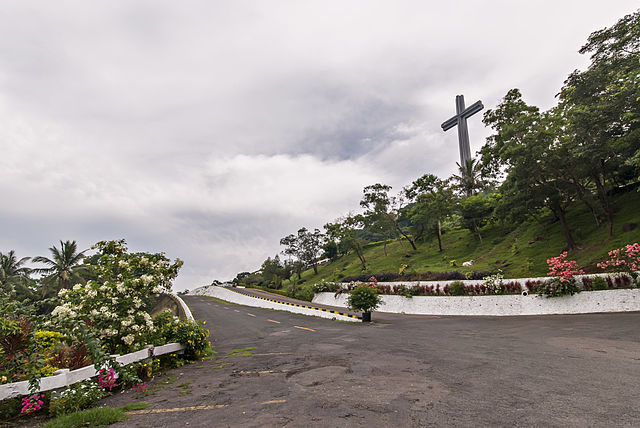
(113, 304)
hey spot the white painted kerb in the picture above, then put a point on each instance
(241, 299)
(627, 300)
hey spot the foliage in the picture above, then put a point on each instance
(364, 297)
(89, 418)
(562, 268)
(456, 288)
(64, 267)
(626, 259)
(300, 292)
(32, 403)
(431, 200)
(305, 247)
(564, 282)
(12, 271)
(494, 283)
(382, 212)
(112, 307)
(75, 397)
(192, 334)
(47, 339)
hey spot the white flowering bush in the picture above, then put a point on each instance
(494, 283)
(76, 397)
(113, 304)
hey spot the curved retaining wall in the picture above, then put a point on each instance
(627, 300)
(243, 299)
(183, 306)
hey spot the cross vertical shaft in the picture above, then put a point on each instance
(460, 120)
(463, 132)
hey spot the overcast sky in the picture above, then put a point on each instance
(209, 130)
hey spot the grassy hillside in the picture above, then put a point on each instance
(519, 250)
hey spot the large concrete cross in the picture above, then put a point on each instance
(460, 119)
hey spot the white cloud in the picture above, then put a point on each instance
(210, 130)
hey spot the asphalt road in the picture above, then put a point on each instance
(577, 370)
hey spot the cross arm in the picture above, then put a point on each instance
(472, 109)
(448, 124)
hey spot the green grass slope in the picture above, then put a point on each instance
(519, 250)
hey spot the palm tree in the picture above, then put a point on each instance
(65, 265)
(12, 270)
(470, 178)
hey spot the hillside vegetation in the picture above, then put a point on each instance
(518, 250)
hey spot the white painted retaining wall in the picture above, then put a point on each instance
(626, 300)
(65, 377)
(521, 281)
(183, 305)
(241, 299)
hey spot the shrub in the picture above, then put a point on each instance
(456, 288)
(193, 335)
(556, 288)
(76, 397)
(626, 258)
(494, 283)
(564, 282)
(364, 298)
(113, 305)
(599, 283)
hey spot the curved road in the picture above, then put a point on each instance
(576, 370)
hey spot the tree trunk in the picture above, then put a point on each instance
(476, 229)
(385, 248)
(602, 190)
(439, 235)
(360, 256)
(565, 227)
(315, 268)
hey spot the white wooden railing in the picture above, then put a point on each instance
(66, 377)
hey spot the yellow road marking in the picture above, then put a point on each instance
(235, 310)
(277, 322)
(251, 315)
(177, 409)
(303, 328)
(274, 402)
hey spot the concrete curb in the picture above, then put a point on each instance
(260, 302)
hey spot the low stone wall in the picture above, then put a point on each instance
(627, 300)
(242, 299)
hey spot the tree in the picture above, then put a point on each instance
(384, 209)
(433, 200)
(602, 109)
(475, 209)
(344, 232)
(469, 179)
(273, 272)
(305, 247)
(12, 270)
(528, 148)
(64, 267)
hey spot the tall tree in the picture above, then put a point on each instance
(432, 200)
(602, 108)
(305, 246)
(527, 148)
(382, 207)
(65, 265)
(344, 231)
(469, 179)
